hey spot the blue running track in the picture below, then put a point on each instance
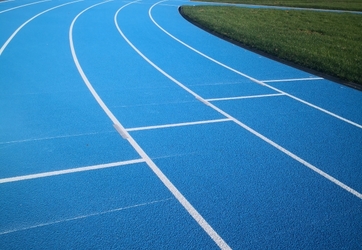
(123, 126)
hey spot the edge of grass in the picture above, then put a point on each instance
(270, 56)
(342, 5)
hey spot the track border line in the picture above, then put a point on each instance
(6, 1)
(264, 138)
(177, 125)
(69, 171)
(242, 97)
(294, 80)
(83, 216)
(123, 132)
(21, 6)
(29, 20)
(247, 76)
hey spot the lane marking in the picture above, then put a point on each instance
(178, 125)
(294, 80)
(171, 187)
(247, 76)
(21, 26)
(21, 6)
(264, 138)
(242, 97)
(120, 130)
(69, 171)
(6, 1)
(152, 104)
(54, 137)
(84, 216)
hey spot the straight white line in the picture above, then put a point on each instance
(247, 76)
(83, 216)
(21, 6)
(178, 195)
(241, 97)
(7, 1)
(69, 171)
(178, 124)
(54, 137)
(277, 146)
(294, 80)
(21, 26)
(318, 108)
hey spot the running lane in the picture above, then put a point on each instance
(319, 136)
(173, 149)
(68, 178)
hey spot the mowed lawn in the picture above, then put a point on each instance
(330, 43)
(354, 5)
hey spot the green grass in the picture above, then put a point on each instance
(355, 5)
(330, 43)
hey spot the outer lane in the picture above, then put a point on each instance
(313, 127)
(180, 70)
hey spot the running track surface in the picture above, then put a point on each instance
(124, 126)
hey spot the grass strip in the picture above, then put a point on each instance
(330, 43)
(351, 5)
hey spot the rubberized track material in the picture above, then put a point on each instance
(125, 126)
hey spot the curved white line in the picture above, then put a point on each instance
(21, 6)
(21, 26)
(247, 76)
(264, 138)
(287, 152)
(184, 202)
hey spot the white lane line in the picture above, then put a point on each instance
(247, 76)
(241, 97)
(69, 171)
(21, 26)
(53, 137)
(21, 6)
(178, 125)
(294, 80)
(178, 195)
(264, 138)
(7, 1)
(83, 216)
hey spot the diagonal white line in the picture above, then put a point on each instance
(177, 125)
(69, 171)
(54, 137)
(21, 6)
(264, 138)
(21, 26)
(242, 97)
(294, 80)
(247, 76)
(6, 1)
(171, 187)
(179, 196)
(82, 216)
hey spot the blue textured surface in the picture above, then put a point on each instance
(118, 208)
(254, 195)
